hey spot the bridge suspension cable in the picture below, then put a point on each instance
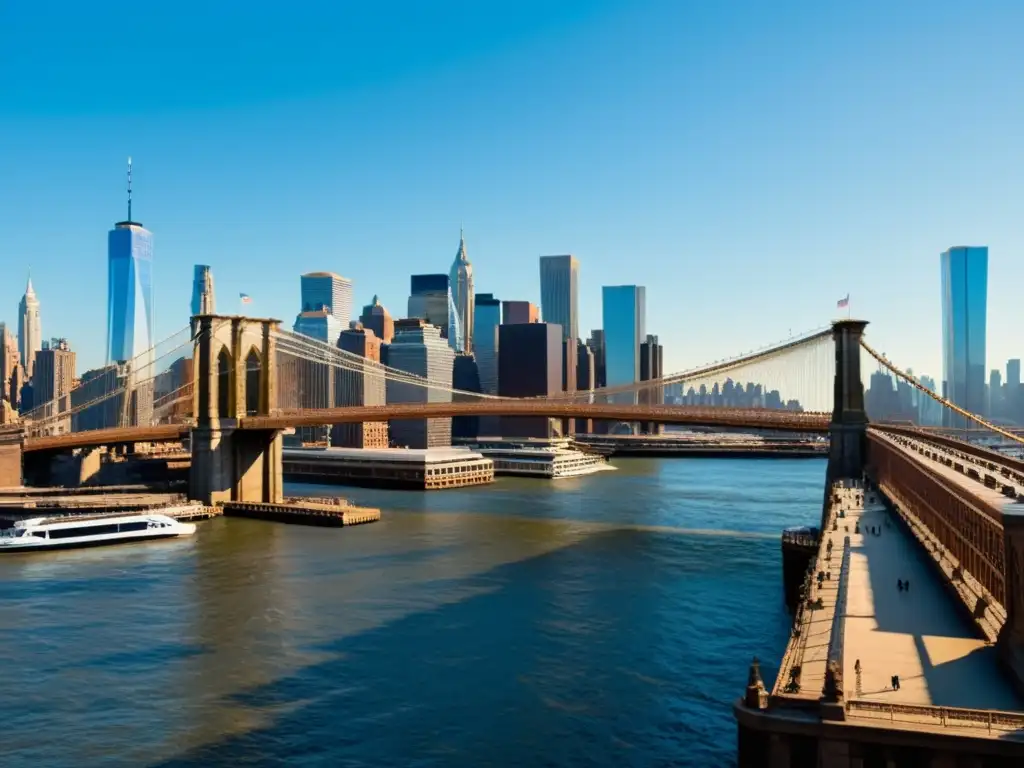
(912, 381)
(141, 392)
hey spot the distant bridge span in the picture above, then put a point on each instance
(702, 416)
(747, 418)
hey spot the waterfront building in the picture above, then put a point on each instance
(52, 381)
(460, 282)
(129, 289)
(377, 318)
(415, 469)
(30, 332)
(361, 386)
(529, 365)
(519, 312)
(485, 340)
(420, 349)
(429, 299)
(964, 279)
(624, 320)
(320, 290)
(651, 368)
(559, 287)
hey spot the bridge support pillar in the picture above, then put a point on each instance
(1011, 638)
(235, 377)
(12, 445)
(848, 429)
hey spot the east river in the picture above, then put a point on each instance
(599, 621)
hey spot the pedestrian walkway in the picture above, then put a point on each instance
(916, 633)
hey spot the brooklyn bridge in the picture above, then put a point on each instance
(231, 386)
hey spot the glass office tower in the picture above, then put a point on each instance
(964, 308)
(624, 309)
(485, 340)
(129, 291)
(559, 279)
(326, 289)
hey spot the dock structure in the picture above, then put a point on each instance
(303, 512)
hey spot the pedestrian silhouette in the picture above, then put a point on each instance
(892, 682)
(899, 584)
(906, 585)
(896, 682)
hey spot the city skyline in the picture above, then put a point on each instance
(811, 166)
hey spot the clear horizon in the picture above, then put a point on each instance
(749, 166)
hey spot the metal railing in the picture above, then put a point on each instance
(835, 640)
(944, 717)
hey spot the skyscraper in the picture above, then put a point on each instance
(559, 278)
(129, 287)
(596, 344)
(529, 365)
(519, 313)
(377, 318)
(359, 386)
(460, 281)
(10, 360)
(485, 340)
(1013, 372)
(429, 297)
(623, 310)
(51, 384)
(319, 324)
(202, 291)
(30, 332)
(964, 277)
(326, 289)
(650, 368)
(419, 348)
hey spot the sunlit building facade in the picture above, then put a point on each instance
(964, 279)
(461, 316)
(485, 340)
(623, 309)
(326, 289)
(559, 290)
(129, 291)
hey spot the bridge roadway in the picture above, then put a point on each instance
(745, 418)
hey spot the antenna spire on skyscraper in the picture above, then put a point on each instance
(129, 188)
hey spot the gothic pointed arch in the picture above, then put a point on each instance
(253, 372)
(224, 383)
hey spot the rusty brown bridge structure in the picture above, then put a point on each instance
(900, 505)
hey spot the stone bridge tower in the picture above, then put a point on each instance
(236, 376)
(848, 430)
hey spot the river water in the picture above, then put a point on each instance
(600, 621)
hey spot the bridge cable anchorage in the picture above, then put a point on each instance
(901, 374)
(138, 393)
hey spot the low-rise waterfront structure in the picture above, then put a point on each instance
(551, 459)
(421, 469)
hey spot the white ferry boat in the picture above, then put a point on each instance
(47, 533)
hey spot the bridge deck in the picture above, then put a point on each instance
(916, 634)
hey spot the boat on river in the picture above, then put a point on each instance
(48, 533)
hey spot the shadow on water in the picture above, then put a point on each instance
(591, 654)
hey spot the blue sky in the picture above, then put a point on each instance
(749, 162)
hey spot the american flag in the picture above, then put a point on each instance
(245, 297)
(843, 303)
